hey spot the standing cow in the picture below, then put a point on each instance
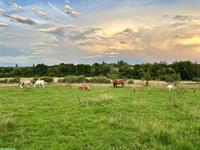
(39, 83)
(170, 87)
(85, 87)
(25, 84)
(118, 82)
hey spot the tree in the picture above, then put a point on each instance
(147, 77)
(41, 70)
(125, 71)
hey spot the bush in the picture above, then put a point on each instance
(14, 80)
(34, 79)
(170, 77)
(47, 79)
(4, 81)
(196, 79)
(73, 79)
(130, 82)
(99, 80)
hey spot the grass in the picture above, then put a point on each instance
(103, 118)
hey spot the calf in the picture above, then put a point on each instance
(170, 87)
(85, 87)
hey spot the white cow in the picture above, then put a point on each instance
(26, 84)
(170, 87)
(39, 83)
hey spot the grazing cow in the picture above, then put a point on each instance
(85, 87)
(26, 84)
(118, 82)
(39, 83)
(170, 87)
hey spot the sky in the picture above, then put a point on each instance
(89, 31)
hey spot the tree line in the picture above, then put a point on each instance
(182, 70)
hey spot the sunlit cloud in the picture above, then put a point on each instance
(105, 30)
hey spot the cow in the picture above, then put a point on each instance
(118, 82)
(170, 87)
(26, 84)
(39, 83)
(85, 87)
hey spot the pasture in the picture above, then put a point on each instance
(104, 118)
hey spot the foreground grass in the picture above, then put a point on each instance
(104, 118)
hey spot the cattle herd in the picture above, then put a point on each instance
(38, 83)
(42, 83)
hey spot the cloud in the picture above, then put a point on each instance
(2, 10)
(18, 7)
(100, 56)
(112, 53)
(91, 57)
(175, 40)
(39, 12)
(83, 33)
(123, 29)
(186, 17)
(73, 13)
(3, 24)
(57, 29)
(67, 7)
(21, 19)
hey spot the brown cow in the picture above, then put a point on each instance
(118, 82)
(85, 87)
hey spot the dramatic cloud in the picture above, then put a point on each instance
(136, 31)
(22, 19)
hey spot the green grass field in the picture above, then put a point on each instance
(104, 118)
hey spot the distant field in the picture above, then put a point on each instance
(103, 118)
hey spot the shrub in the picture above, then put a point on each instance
(34, 79)
(196, 79)
(73, 79)
(170, 77)
(14, 80)
(47, 79)
(130, 82)
(4, 81)
(99, 80)
(60, 80)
